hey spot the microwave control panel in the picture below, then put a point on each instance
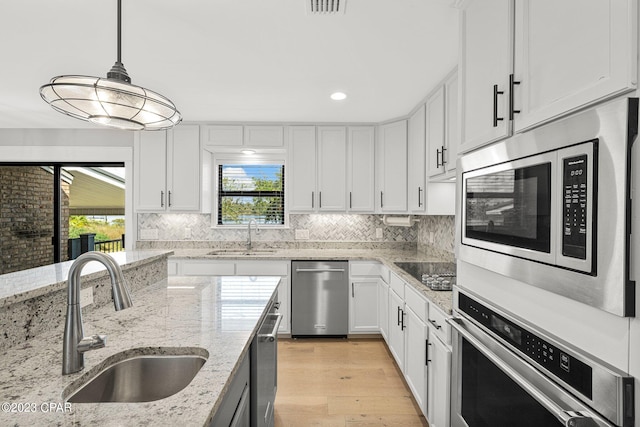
(574, 183)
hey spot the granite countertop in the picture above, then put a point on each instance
(179, 315)
(34, 282)
(388, 257)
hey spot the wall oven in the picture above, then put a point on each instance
(508, 373)
(551, 207)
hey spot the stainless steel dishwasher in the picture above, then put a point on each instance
(319, 298)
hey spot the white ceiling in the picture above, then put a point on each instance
(232, 60)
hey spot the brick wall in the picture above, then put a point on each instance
(26, 218)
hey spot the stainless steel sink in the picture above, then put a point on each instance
(242, 252)
(140, 379)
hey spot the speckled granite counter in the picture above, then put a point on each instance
(180, 315)
(386, 256)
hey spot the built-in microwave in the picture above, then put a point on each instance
(551, 207)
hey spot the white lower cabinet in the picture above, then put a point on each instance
(415, 368)
(364, 282)
(439, 381)
(395, 334)
(363, 318)
(383, 308)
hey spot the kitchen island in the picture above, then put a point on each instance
(214, 317)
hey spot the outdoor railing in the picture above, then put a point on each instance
(86, 243)
(115, 245)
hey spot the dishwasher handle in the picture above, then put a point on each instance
(319, 270)
(273, 334)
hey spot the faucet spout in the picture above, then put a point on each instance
(253, 221)
(75, 344)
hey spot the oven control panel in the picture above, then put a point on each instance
(539, 351)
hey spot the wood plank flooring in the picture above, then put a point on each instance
(346, 383)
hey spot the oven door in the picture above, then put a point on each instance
(493, 387)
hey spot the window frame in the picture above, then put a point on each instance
(229, 159)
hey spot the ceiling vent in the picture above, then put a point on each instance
(319, 7)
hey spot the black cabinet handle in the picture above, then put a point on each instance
(402, 317)
(512, 83)
(381, 204)
(419, 197)
(169, 198)
(434, 323)
(496, 92)
(426, 352)
(320, 199)
(313, 196)
(162, 199)
(437, 159)
(350, 204)
(443, 160)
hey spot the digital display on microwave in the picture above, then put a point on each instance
(511, 207)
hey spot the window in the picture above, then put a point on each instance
(250, 191)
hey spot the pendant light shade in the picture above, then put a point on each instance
(111, 101)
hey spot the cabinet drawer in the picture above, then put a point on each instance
(262, 268)
(397, 284)
(358, 268)
(208, 268)
(438, 323)
(416, 302)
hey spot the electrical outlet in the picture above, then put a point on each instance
(149, 234)
(86, 296)
(378, 233)
(302, 234)
(187, 233)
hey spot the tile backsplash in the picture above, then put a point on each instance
(321, 228)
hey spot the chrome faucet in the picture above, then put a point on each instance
(249, 232)
(75, 344)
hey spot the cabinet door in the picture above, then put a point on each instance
(332, 168)
(396, 328)
(439, 382)
(595, 60)
(363, 306)
(452, 130)
(302, 167)
(415, 369)
(416, 174)
(486, 61)
(263, 136)
(150, 173)
(383, 309)
(361, 169)
(183, 168)
(435, 133)
(393, 167)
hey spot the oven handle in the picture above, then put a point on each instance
(568, 418)
(273, 334)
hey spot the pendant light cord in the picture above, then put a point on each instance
(119, 31)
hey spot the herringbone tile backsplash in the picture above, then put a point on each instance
(321, 228)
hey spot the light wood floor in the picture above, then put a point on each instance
(337, 382)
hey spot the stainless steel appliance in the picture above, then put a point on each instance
(319, 298)
(508, 373)
(264, 367)
(551, 207)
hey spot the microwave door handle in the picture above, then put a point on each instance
(568, 418)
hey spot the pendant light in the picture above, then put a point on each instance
(111, 101)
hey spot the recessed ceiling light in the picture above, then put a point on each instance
(248, 152)
(338, 96)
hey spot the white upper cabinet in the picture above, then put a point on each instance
(485, 65)
(332, 168)
(392, 167)
(301, 179)
(571, 54)
(568, 55)
(437, 150)
(416, 174)
(361, 169)
(238, 135)
(167, 170)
